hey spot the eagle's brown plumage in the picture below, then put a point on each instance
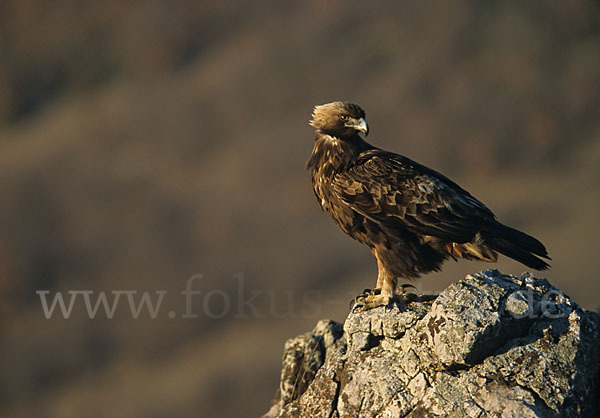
(411, 217)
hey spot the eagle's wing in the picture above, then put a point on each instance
(397, 192)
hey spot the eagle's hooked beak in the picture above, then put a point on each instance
(359, 125)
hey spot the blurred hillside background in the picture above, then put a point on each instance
(144, 142)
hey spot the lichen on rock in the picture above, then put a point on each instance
(488, 345)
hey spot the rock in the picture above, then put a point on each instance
(489, 345)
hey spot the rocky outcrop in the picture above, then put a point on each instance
(489, 345)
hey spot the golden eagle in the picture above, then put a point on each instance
(410, 216)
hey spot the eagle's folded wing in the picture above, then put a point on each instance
(397, 192)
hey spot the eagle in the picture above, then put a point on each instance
(411, 217)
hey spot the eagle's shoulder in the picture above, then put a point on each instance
(377, 168)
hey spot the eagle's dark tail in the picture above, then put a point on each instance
(517, 245)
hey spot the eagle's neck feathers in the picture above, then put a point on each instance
(332, 155)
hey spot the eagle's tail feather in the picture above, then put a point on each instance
(518, 246)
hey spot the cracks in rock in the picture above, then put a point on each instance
(362, 402)
(442, 397)
(336, 397)
(373, 341)
(512, 383)
(472, 397)
(455, 369)
(339, 378)
(539, 402)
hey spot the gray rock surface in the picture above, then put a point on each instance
(490, 345)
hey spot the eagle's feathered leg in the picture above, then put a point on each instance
(385, 294)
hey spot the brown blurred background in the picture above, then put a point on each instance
(144, 142)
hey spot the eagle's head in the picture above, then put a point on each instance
(339, 119)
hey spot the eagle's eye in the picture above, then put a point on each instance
(344, 118)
